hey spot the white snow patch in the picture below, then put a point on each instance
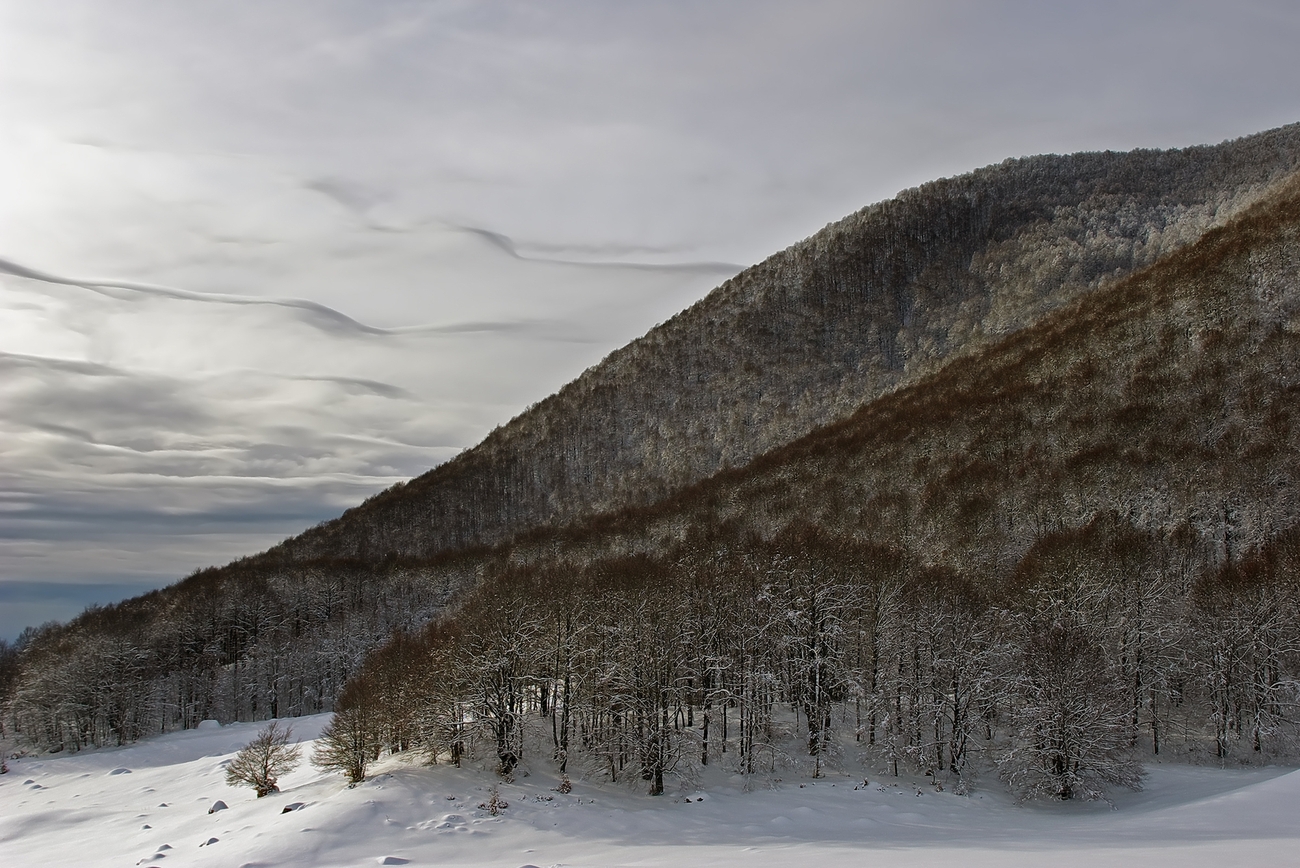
(1189, 817)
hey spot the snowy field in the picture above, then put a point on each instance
(148, 804)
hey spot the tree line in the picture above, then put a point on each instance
(236, 643)
(1096, 651)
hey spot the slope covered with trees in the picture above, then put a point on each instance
(866, 305)
(1072, 549)
(981, 437)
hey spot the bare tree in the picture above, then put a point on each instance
(349, 743)
(261, 762)
(1074, 733)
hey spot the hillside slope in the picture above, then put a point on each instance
(1156, 407)
(1167, 399)
(866, 305)
(1050, 559)
(75, 810)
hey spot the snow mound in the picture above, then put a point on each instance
(218, 805)
(120, 772)
(1187, 817)
(209, 724)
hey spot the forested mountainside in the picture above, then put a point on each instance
(1070, 550)
(866, 305)
(963, 467)
(1167, 399)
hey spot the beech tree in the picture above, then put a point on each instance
(347, 744)
(354, 737)
(261, 762)
(1073, 733)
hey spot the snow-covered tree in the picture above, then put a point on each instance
(349, 743)
(1074, 732)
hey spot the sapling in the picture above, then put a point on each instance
(261, 762)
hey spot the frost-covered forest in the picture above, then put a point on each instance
(1097, 652)
(233, 644)
(1072, 551)
(1022, 507)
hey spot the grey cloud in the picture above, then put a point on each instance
(62, 430)
(319, 315)
(350, 196)
(332, 321)
(258, 505)
(71, 366)
(508, 245)
(313, 313)
(374, 387)
(121, 402)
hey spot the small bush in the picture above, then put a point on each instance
(494, 805)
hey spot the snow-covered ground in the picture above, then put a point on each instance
(148, 804)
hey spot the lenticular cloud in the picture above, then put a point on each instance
(154, 430)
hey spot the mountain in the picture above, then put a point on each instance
(1166, 399)
(1056, 556)
(943, 388)
(865, 306)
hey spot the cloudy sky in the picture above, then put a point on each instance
(259, 260)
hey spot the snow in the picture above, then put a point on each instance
(82, 809)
